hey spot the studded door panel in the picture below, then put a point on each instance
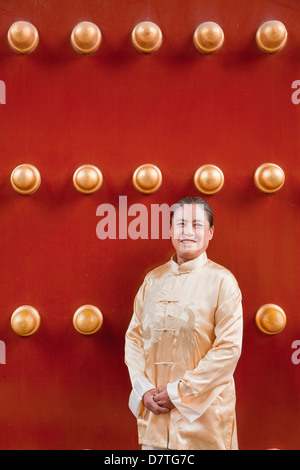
(203, 114)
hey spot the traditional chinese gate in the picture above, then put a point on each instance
(118, 108)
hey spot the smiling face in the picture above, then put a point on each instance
(190, 232)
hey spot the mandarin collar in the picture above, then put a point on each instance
(188, 266)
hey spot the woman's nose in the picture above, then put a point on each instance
(189, 229)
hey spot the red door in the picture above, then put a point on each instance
(118, 108)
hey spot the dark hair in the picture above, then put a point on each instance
(194, 200)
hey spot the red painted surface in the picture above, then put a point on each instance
(118, 109)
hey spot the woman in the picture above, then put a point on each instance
(184, 341)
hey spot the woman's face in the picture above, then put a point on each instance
(190, 232)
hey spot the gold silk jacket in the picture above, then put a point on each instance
(186, 331)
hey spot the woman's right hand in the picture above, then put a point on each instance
(151, 405)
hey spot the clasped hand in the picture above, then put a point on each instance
(158, 401)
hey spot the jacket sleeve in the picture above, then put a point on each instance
(134, 355)
(199, 387)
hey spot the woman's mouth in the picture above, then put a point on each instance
(187, 241)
